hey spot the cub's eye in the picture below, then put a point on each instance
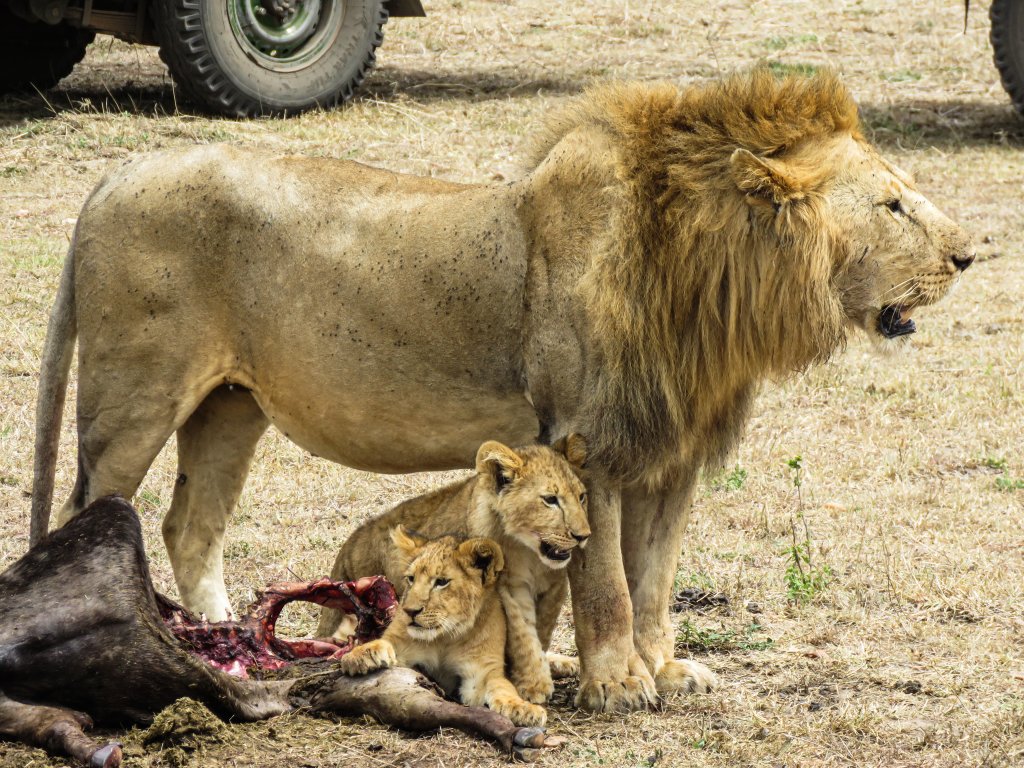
(895, 206)
(583, 498)
(551, 501)
(441, 583)
(409, 579)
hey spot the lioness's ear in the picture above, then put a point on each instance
(765, 182)
(484, 556)
(500, 462)
(574, 448)
(408, 543)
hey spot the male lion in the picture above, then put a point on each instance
(668, 251)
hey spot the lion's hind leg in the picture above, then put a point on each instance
(215, 447)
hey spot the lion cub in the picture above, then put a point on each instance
(532, 502)
(451, 625)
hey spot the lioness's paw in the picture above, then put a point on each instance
(367, 658)
(562, 666)
(629, 694)
(520, 712)
(685, 676)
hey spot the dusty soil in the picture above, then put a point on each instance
(905, 649)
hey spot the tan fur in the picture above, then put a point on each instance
(451, 624)
(668, 251)
(504, 501)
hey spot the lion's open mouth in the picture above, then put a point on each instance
(554, 553)
(894, 320)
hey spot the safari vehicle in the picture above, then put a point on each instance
(1008, 43)
(233, 57)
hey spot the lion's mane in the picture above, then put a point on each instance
(696, 298)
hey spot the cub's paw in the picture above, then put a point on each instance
(367, 658)
(685, 676)
(521, 713)
(536, 687)
(562, 666)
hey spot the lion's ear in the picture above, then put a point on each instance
(574, 448)
(500, 462)
(483, 556)
(407, 541)
(764, 181)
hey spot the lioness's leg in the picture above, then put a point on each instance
(215, 447)
(651, 542)
(613, 677)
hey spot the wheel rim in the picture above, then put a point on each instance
(285, 35)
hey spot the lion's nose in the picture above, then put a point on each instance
(963, 262)
(413, 612)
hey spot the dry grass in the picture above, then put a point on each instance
(911, 655)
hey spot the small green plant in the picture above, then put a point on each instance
(797, 465)
(779, 42)
(730, 481)
(804, 579)
(1009, 484)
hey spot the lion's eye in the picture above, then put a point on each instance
(551, 501)
(895, 206)
(409, 579)
(583, 498)
(441, 583)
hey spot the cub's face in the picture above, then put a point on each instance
(446, 582)
(539, 496)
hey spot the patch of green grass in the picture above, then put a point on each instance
(781, 42)
(784, 69)
(149, 500)
(901, 76)
(1009, 484)
(9, 480)
(993, 462)
(32, 254)
(692, 637)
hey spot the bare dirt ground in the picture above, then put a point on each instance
(907, 650)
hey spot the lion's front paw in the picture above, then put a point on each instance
(562, 666)
(520, 712)
(367, 658)
(627, 693)
(685, 676)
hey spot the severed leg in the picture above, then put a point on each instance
(404, 698)
(57, 730)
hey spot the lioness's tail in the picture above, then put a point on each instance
(53, 384)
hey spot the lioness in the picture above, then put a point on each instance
(668, 250)
(451, 625)
(533, 503)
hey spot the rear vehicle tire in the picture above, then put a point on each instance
(36, 56)
(1007, 37)
(268, 57)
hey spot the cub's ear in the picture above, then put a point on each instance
(499, 462)
(408, 542)
(765, 181)
(483, 556)
(574, 448)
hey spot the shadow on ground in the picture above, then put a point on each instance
(942, 123)
(156, 97)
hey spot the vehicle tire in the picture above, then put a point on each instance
(1007, 37)
(35, 55)
(268, 57)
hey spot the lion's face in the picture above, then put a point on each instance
(446, 581)
(901, 251)
(538, 496)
